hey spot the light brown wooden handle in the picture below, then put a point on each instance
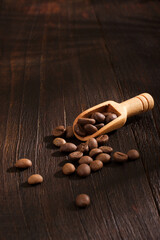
(138, 104)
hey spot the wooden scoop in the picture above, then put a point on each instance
(133, 106)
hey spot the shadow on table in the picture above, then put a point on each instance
(14, 169)
(27, 185)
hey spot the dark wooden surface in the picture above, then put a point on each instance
(58, 58)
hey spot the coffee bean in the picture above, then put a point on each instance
(105, 113)
(103, 139)
(75, 155)
(100, 125)
(110, 117)
(133, 154)
(82, 200)
(79, 130)
(92, 143)
(90, 129)
(96, 165)
(35, 179)
(106, 149)
(83, 121)
(68, 168)
(83, 147)
(94, 152)
(59, 142)
(68, 147)
(99, 117)
(83, 170)
(120, 157)
(23, 163)
(108, 113)
(85, 159)
(104, 157)
(69, 132)
(59, 131)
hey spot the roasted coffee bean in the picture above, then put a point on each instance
(120, 157)
(99, 117)
(94, 152)
(79, 130)
(90, 129)
(92, 143)
(59, 131)
(105, 113)
(82, 200)
(59, 142)
(83, 121)
(110, 117)
(100, 125)
(85, 159)
(96, 165)
(68, 168)
(68, 147)
(133, 154)
(69, 132)
(83, 170)
(75, 155)
(23, 163)
(35, 179)
(83, 147)
(103, 139)
(106, 149)
(104, 157)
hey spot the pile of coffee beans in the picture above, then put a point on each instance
(89, 156)
(89, 125)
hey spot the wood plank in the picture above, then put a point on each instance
(124, 33)
(134, 37)
(59, 58)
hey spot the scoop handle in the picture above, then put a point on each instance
(138, 104)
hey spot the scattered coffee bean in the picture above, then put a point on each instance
(83, 121)
(96, 165)
(82, 200)
(68, 147)
(99, 117)
(120, 157)
(103, 139)
(75, 155)
(69, 132)
(79, 130)
(83, 170)
(68, 168)
(83, 147)
(92, 143)
(133, 154)
(100, 125)
(106, 149)
(85, 159)
(104, 157)
(90, 129)
(94, 152)
(23, 163)
(35, 179)
(59, 142)
(110, 117)
(59, 131)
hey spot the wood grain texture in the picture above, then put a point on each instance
(58, 58)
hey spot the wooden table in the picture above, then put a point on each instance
(57, 59)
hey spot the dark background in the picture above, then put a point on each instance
(58, 58)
